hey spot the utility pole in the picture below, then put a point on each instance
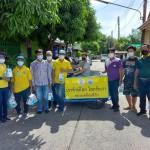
(118, 27)
(112, 43)
(144, 19)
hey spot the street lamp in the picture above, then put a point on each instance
(121, 6)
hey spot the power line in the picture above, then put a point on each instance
(107, 6)
(124, 27)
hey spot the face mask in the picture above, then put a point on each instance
(111, 55)
(144, 52)
(83, 58)
(49, 57)
(40, 57)
(2, 60)
(20, 63)
(130, 54)
(61, 56)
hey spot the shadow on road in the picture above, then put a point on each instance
(20, 131)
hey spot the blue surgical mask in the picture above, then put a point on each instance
(49, 57)
(2, 60)
(130, 54)
(20, 63)
(40, 57)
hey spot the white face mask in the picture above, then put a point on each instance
(130, 54)
(111, 55)
(61, 56)
(49, 57)
(2, 60)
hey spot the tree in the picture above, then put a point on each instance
(92, 30)
(18, 17)
(91, 46)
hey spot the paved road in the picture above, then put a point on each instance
(79, 128)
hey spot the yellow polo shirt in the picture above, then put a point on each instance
(57, 65)
(3, 83)
(21, 78)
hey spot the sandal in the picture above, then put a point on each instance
(126, 108)
(134, 110)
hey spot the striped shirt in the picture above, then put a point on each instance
(50, 67)
(41, 75)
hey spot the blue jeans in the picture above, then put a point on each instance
(18, 96)
(113, 91)
(42, 94)
(144, 89)
(60, 92)
(4, 92)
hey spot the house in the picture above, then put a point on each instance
(146, 28)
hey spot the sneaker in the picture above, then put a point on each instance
(112, 107)
(7, 119)
(116, 109)
(39, 112)
(141, 113)
(19, 116)
(47, 111)
(2, 120)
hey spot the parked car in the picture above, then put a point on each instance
(104, 57)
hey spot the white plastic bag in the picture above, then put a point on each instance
(11, 101)
(8, 73)
(149, 105)
(31, 99)
(121, 88)
(50, 96)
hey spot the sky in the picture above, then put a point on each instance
(129, 19)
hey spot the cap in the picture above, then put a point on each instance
(62, 52)
(20, 57)
(3, 54)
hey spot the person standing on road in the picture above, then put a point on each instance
(128, 73)
(49, 56)
(142, 78)
(4, 90)
(84, 65)
(40, 80)
(21, 85)
(113, 68)
(61, 67)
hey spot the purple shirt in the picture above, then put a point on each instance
(40, 73)
(112, 68)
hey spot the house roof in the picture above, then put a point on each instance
(145, 24)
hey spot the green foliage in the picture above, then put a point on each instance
(23, 16)
(124, 42)
(92, 30)
(91, 46)
(72, 23)
(79, 54)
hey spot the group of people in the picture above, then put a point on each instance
(133, 73)
(42, 77)
(48, 75)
